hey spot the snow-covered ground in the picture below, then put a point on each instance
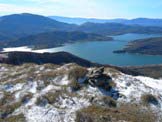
(19, 81)
(22, 49)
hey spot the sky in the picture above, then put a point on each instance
(105, 9)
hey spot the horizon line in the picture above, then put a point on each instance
(79, 17)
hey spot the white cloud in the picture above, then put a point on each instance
(83, 8)
(79, 8)
(10, 8)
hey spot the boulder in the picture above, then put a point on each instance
(97, 78)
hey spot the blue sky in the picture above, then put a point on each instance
(85, 8)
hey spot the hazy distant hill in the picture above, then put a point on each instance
(144, 22)
(18, 25)
(80, 21)
(137, 21)
(117, 29)
(15, 26)
(53, 39)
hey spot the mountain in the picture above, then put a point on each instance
(80, 21)
(54, 39)
(117, 29)
(137, 21)
(144, 22)
(150, 46)
(72, 93)
(18, 25)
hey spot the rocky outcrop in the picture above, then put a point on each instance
(97, 78)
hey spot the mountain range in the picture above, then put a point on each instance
(18, 29)
(61, 87)
(19, 25)
(136, 21)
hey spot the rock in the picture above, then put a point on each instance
(97, 78)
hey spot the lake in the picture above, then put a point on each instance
(102, 51)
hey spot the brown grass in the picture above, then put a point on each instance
(109, 101)
(77, 72)
(7, 98)
(52, 96)
(148, 99)
(9, 109)
(128, 113)
(16, 118)
(75, 85)
(26, 97)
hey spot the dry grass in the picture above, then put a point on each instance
(75, 85)
(52, 96)
(77, 72)
(148, 99)
(26, 98)
(50, 66)
(74, 74)
(9, 109)
(49, 97)
(16, 118)
(50, 75)
(7, 98)
(115, 73)
(128, 113)
(109, 101)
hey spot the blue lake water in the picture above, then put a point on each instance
(102, 51)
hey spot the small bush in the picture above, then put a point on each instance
(75, 85)
(41, 101)
(77, 72)
(50, 75)
(9, 109)
(50, 66)
(149, 99)
(16, 118)
(52, 96)
(7, 98)
(124, 113)
(109, 85)
(26, 98)
(108, 101)
(93, 114)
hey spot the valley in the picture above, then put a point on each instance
(56, 69)
(102, 51)
(80, 60)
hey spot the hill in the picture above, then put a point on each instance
(80, 21)
(150, 46)
(136, 21)
(18, 58)
(72, 93)
(117, 29)
(53, 39)
(18, 25)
